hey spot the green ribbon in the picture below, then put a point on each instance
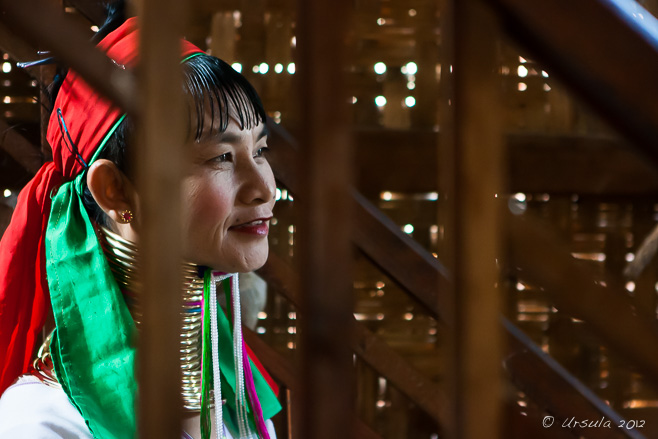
(268, 401)
(93, 348)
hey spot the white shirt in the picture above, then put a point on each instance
(29, 409)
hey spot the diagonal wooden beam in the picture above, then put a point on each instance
(606, 50)
(17, 48)
(575, 289)
(42, 24)
(555, 390)
(19, 148)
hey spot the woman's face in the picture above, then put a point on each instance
(228, 196)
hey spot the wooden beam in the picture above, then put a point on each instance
(160, 158)
(401, 258)
(471, 167)
(325, 403)
(555, 390)
(19, 148)
(16, 47)
(578, 165)
(44, 25)
(620, 81)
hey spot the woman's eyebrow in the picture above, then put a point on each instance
(234, 137)
(264, 132)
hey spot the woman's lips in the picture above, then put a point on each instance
(258, 227)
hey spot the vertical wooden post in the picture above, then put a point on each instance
(324, 409)
(160, 154)
(471, 170)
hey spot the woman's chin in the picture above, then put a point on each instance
(240, 264)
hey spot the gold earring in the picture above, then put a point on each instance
(126, 216)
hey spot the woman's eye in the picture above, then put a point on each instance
(261, 152)
(227, 157)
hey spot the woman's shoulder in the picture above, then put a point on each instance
(31, 409)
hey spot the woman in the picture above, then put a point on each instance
(79, 220)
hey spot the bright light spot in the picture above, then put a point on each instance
(522, 60)
(547, 87)
(237, 67)
(412, 68)
(520, 197)
(293, 42)
(381, 21)
(380, 316)
(520, 286)
(291, 345)
(262, 315)
(386, 196)
(380, 285)
(408, 229)
(380, 101)
(381, 404)
(522, 71)
(255, 69)
(544, 74)
(630, 286)
(7, 193)
(408, 316)
(410, 101)
(278, 68)
(94, 28)
(411, 85)
(7, 100)
(291, 68)
(354, 99)
(292, 330)
(274, 221)
(290, 197)
(5, 56)
(6, 67)
(412, 12)
(291, 229)
(292, 315)
(264, 68)
(261, 330)
(630, 257)
(380, 68)
(278, 194)
(523, 86)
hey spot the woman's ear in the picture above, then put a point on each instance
(114, 194)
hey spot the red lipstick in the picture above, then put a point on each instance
(259, 227)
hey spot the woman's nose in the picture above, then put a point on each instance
(258, 184)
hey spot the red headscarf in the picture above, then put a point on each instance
(24, 295)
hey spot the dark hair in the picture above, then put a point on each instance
(210, 84)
